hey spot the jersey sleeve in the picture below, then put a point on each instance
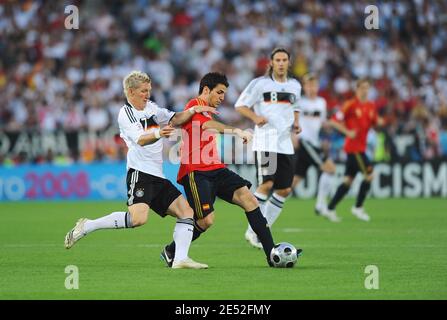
(163, 115)
(129, 126)
(249, 96)
(296, 104)
(324, 113)
(374, 114)
(197, 117)
(341, 114)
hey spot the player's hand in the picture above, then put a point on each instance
(260, 121)
(297, 129)
(244, 135)
(200, 109)
(351, 134)
(167, 131)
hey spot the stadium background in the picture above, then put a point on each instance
(60, 90)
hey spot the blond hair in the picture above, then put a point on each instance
(134, 79)
(361, 81)
(310, 76)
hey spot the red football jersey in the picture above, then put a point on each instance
(360, 117)
(199, 148)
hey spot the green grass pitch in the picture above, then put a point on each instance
(406, 240)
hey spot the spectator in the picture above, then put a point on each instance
(54, 78)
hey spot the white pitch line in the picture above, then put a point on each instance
(53, 245)
(334, 230)
(338, 246)
(31, 245)
(292, 230)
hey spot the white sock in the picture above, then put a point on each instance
(182, 236)
(262, 199)
(273, 208)
(115, 220)
(324, 188)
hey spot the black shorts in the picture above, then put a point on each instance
(156, 192)
(358, 162)
(278, 167)
(202, 187)
(307, 155)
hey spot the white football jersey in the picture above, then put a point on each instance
(133, 123)
(313, 114)
(277, 102)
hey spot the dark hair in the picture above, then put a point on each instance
(211, 80)
(279, 49)
(269, 71)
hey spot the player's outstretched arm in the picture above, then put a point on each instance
(248, 113)
(218, 126)
(223, 128)
(149, 138)
(184, 116)
(342, 128)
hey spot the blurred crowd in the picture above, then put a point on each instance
(54, 79)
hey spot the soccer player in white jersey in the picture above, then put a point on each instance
(313, 115)
(271, 103)
(139, 122)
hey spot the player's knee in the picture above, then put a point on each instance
(250, 202)
(187, 212)
(283, 192)
(329, 167)
(369, 174)
(138, 219)
(330, 170)
(206, 222)
(347, 181)
(138, 214)
(296, 180)
(245, 199)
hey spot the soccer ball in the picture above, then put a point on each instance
(284, 255)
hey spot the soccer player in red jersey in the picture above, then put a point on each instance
(204, 176)
(355, 119)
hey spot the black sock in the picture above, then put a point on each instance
(339, 194)
(195, 234)
(259, 225)
(364, 188)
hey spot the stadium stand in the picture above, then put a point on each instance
(53, 79)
